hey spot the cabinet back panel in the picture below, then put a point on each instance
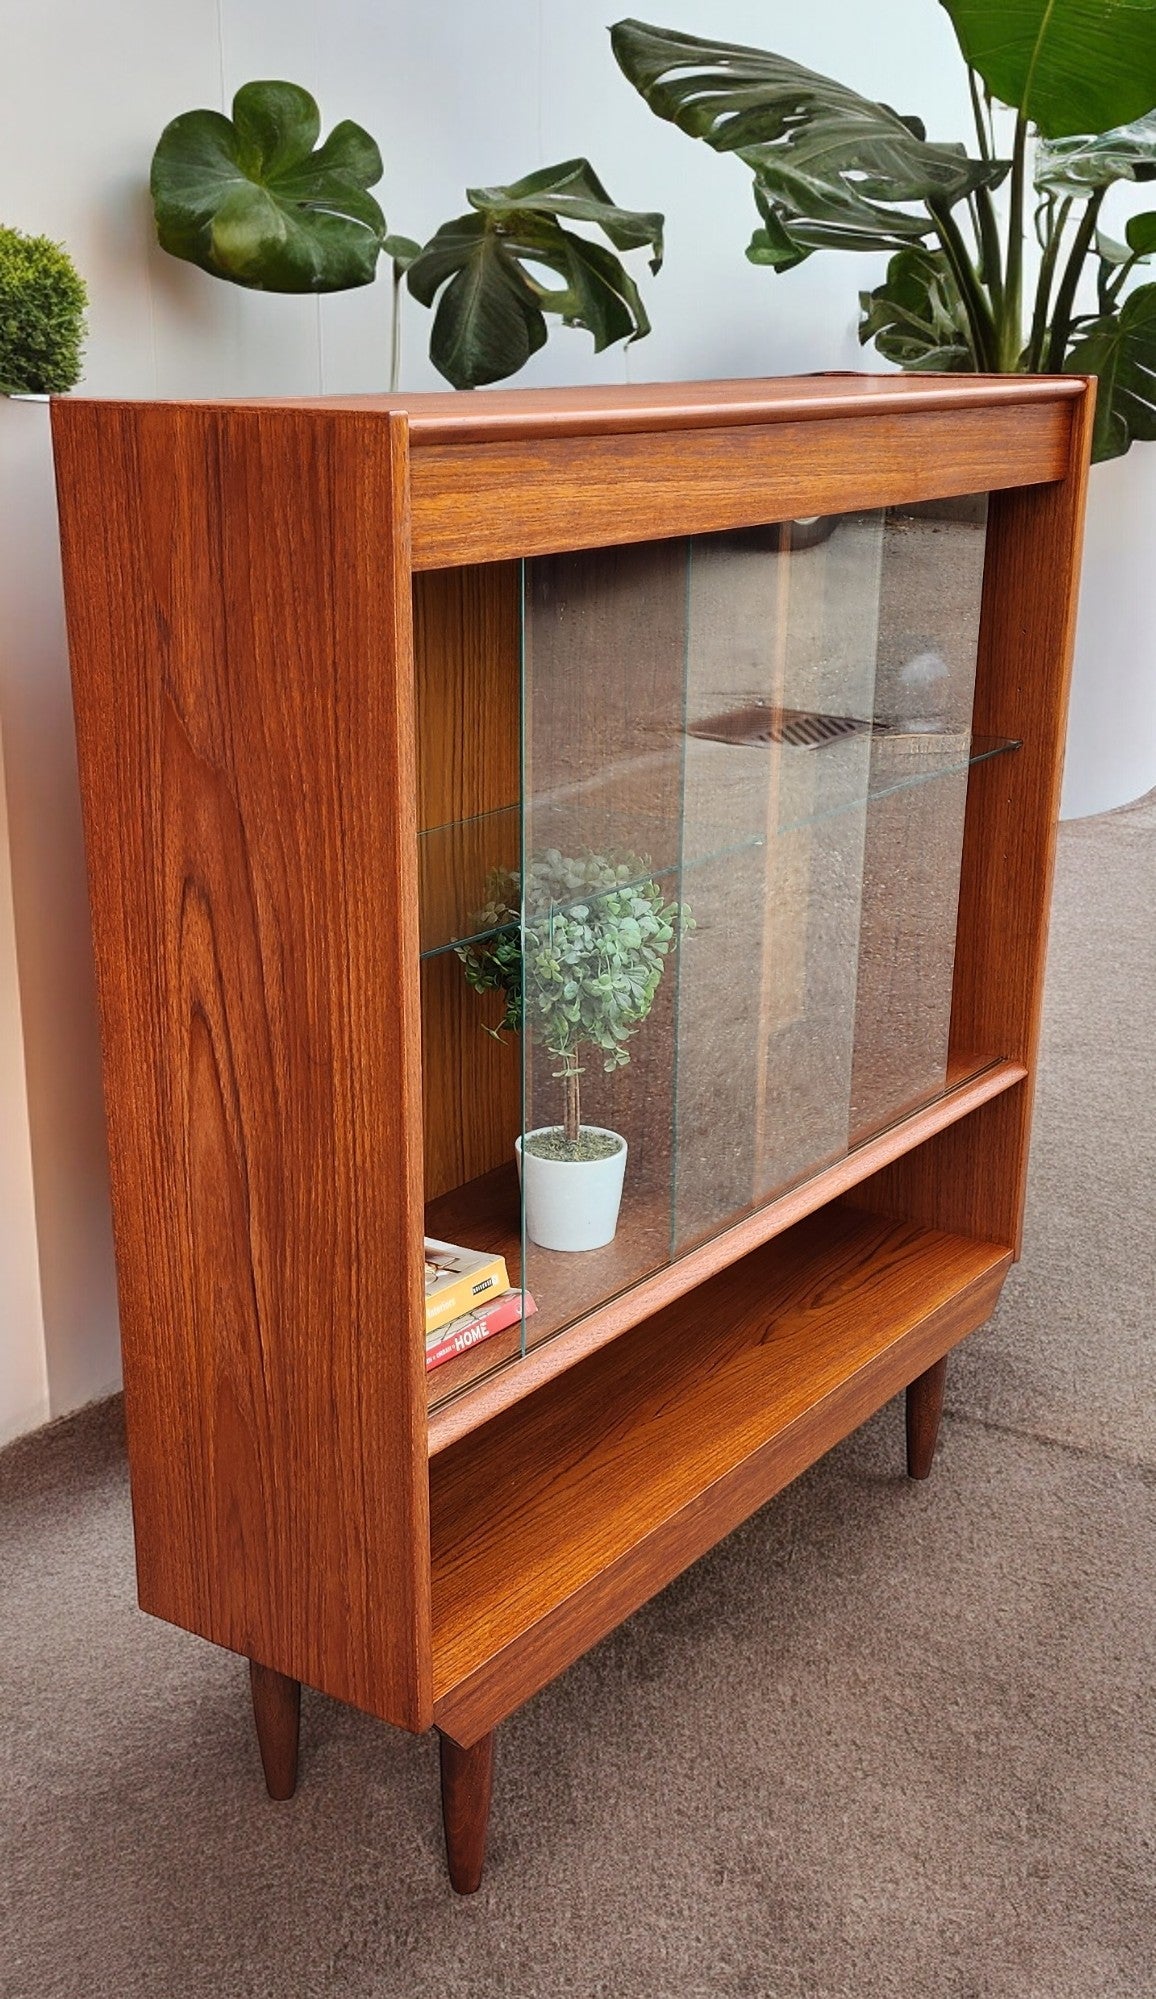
(466, 665)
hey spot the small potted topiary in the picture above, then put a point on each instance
(577, 951)
(42, 302)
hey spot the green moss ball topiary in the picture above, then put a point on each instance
(42, 301)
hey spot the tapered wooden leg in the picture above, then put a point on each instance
(924, 1409)
(277, 1713)
(467, 1782)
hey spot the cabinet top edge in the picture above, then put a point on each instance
(488, 416)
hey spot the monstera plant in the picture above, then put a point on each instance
(491, 313)
(1072, 86)
(256, 200)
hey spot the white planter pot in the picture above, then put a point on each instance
(572, 1203)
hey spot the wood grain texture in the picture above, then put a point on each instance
(467, 1781)
(558, 1519)
(973, 1180)
(467, 672)
(923, 1412)
(486, 502)
(466, 639)
(472, 1091)
(616, 409)
(485, 1215)
(255, 767)
(239, 620)
(277, 1717)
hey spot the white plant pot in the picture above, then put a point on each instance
(572, 1203)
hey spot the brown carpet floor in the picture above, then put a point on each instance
(887, 1740)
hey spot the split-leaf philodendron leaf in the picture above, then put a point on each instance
(485, 265)
(1120, 348)
(1067, 65)
(833, 170)
(1096, 159)
(254, 199)
(1140, 234)
(915, 317)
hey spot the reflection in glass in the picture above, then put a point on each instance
(723, 916)
(767, 982)
(932, 580)
(603, 665)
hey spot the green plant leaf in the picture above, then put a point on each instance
(491, 311)
(1140, 234)
(834, 167)
(489, 320)
(1097, 159)
(1067, 65)
(574, 193)
(1120, 349)
(916, 317)
(402, 249)
(774, 244)
(255, 200)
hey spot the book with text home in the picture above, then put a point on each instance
(474, 1327)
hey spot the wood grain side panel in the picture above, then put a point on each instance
(239, 620)
(573, 1620)
(487, 502)
(973, 1178)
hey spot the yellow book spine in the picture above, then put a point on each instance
(450, 1302)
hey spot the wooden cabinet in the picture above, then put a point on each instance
(349, 672)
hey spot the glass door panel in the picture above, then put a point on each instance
(744, 770)
(603, 665)
(780, 681)
(932, 580)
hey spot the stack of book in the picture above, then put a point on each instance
(468, 1298)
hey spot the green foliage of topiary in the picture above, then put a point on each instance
(42, 302)
(577, 956)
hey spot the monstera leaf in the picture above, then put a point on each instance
(831, 166)
(1096, 159)
(1140, 234)
(774, 243)
(1067, 65)
(490, 316)
(1120, 348)
(916, 317)
(255, 200)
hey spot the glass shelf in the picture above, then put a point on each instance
(456, 861)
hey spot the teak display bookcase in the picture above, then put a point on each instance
(337, 664)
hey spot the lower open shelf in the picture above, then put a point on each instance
(554, 1520)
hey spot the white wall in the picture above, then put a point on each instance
(455, 94)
